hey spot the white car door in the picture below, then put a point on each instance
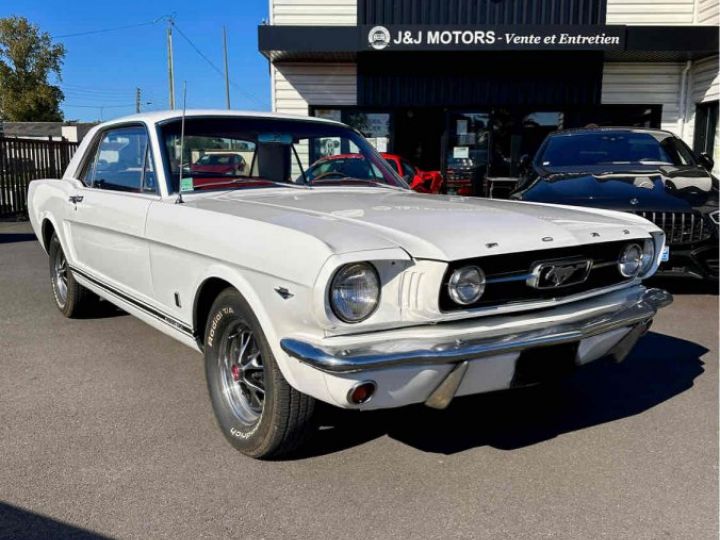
(107, 215)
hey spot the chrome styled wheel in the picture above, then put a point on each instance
(241, 373)
(60, 277)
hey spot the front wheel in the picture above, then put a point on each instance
(71, 298)
(258, 411)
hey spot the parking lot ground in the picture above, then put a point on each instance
(106, 429)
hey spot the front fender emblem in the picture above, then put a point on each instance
(284, 293)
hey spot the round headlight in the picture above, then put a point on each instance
(630, 261)
(355, 292)
(466, 285)
(648, 256)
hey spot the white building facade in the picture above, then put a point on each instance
(416, 76)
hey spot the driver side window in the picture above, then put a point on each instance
(122, 162)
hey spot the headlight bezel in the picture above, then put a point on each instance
(333, 286)
(648, 256)
(453, 281)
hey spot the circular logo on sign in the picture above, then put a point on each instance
(379, 37)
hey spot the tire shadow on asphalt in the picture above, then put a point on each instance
(16, 522)
(682, 286)
(660, 368)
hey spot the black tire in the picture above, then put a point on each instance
(264, 424)
(71, 298)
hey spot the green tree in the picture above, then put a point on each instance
(27, 57)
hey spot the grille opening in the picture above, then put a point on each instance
(507, 274)
(680, 227)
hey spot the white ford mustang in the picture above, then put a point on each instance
(333, 282)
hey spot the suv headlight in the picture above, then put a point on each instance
(466, 285)
(355, 292)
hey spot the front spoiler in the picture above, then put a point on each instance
(393, 353)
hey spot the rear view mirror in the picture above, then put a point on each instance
(706, 161)
(275, 138)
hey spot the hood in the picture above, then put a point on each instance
(662, 189)
(426, 226)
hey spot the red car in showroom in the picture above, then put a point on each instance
(355, 166)
(419, 180)
(220, 163)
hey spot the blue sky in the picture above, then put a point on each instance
(102, 70)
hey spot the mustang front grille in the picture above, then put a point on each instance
(508, 276)
(680, 227)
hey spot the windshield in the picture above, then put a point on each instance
(244, 153)
(613, 148)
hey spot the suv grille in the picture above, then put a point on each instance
(680, 227)
(507, 274)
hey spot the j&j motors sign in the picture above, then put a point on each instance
(380, 38)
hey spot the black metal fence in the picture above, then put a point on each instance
(24, 160)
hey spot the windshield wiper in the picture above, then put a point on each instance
(348, 180)
(240, 182)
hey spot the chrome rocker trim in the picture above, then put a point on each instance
(349, 360)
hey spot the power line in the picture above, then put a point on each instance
(212, 64)
(99, 106)
(112, 29)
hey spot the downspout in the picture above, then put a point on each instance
(682, 105)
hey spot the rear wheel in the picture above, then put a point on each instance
(258, 411)
(71, 298)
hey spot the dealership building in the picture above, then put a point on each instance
(441, 81)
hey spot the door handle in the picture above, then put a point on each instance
(75, 198)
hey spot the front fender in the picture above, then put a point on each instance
(277, 317)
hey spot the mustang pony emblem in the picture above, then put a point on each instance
(550, 275)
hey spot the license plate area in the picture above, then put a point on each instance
(544, 364)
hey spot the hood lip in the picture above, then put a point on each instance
(413, 241)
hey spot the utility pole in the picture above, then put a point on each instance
(137, 100)
(227, 74)
(171, 67)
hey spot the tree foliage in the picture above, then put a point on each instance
(27, 58)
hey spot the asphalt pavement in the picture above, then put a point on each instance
(106, 430)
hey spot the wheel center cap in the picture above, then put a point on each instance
(235, 370)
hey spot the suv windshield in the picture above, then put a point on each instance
(607, 148)
(235, 152)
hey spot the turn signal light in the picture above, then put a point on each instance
(362, 392)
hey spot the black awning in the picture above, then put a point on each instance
(618, 42)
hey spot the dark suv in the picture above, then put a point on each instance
(646, 171)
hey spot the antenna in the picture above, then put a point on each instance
(182, 143)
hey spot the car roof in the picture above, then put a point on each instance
(610, 129)
(156, 117)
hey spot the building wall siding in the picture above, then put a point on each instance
(708, 12)
(662, 12)
(645, 83)
(481, 11)
(313, 12)
(295, 86)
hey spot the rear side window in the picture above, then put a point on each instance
(122, 162)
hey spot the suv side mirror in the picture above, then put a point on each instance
(706, 161)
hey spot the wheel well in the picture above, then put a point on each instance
(206, 295)
(47, 232)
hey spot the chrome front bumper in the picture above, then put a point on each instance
(635, 311)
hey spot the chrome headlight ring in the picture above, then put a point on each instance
(354, 292)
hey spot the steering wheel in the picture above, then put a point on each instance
(328, 174)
